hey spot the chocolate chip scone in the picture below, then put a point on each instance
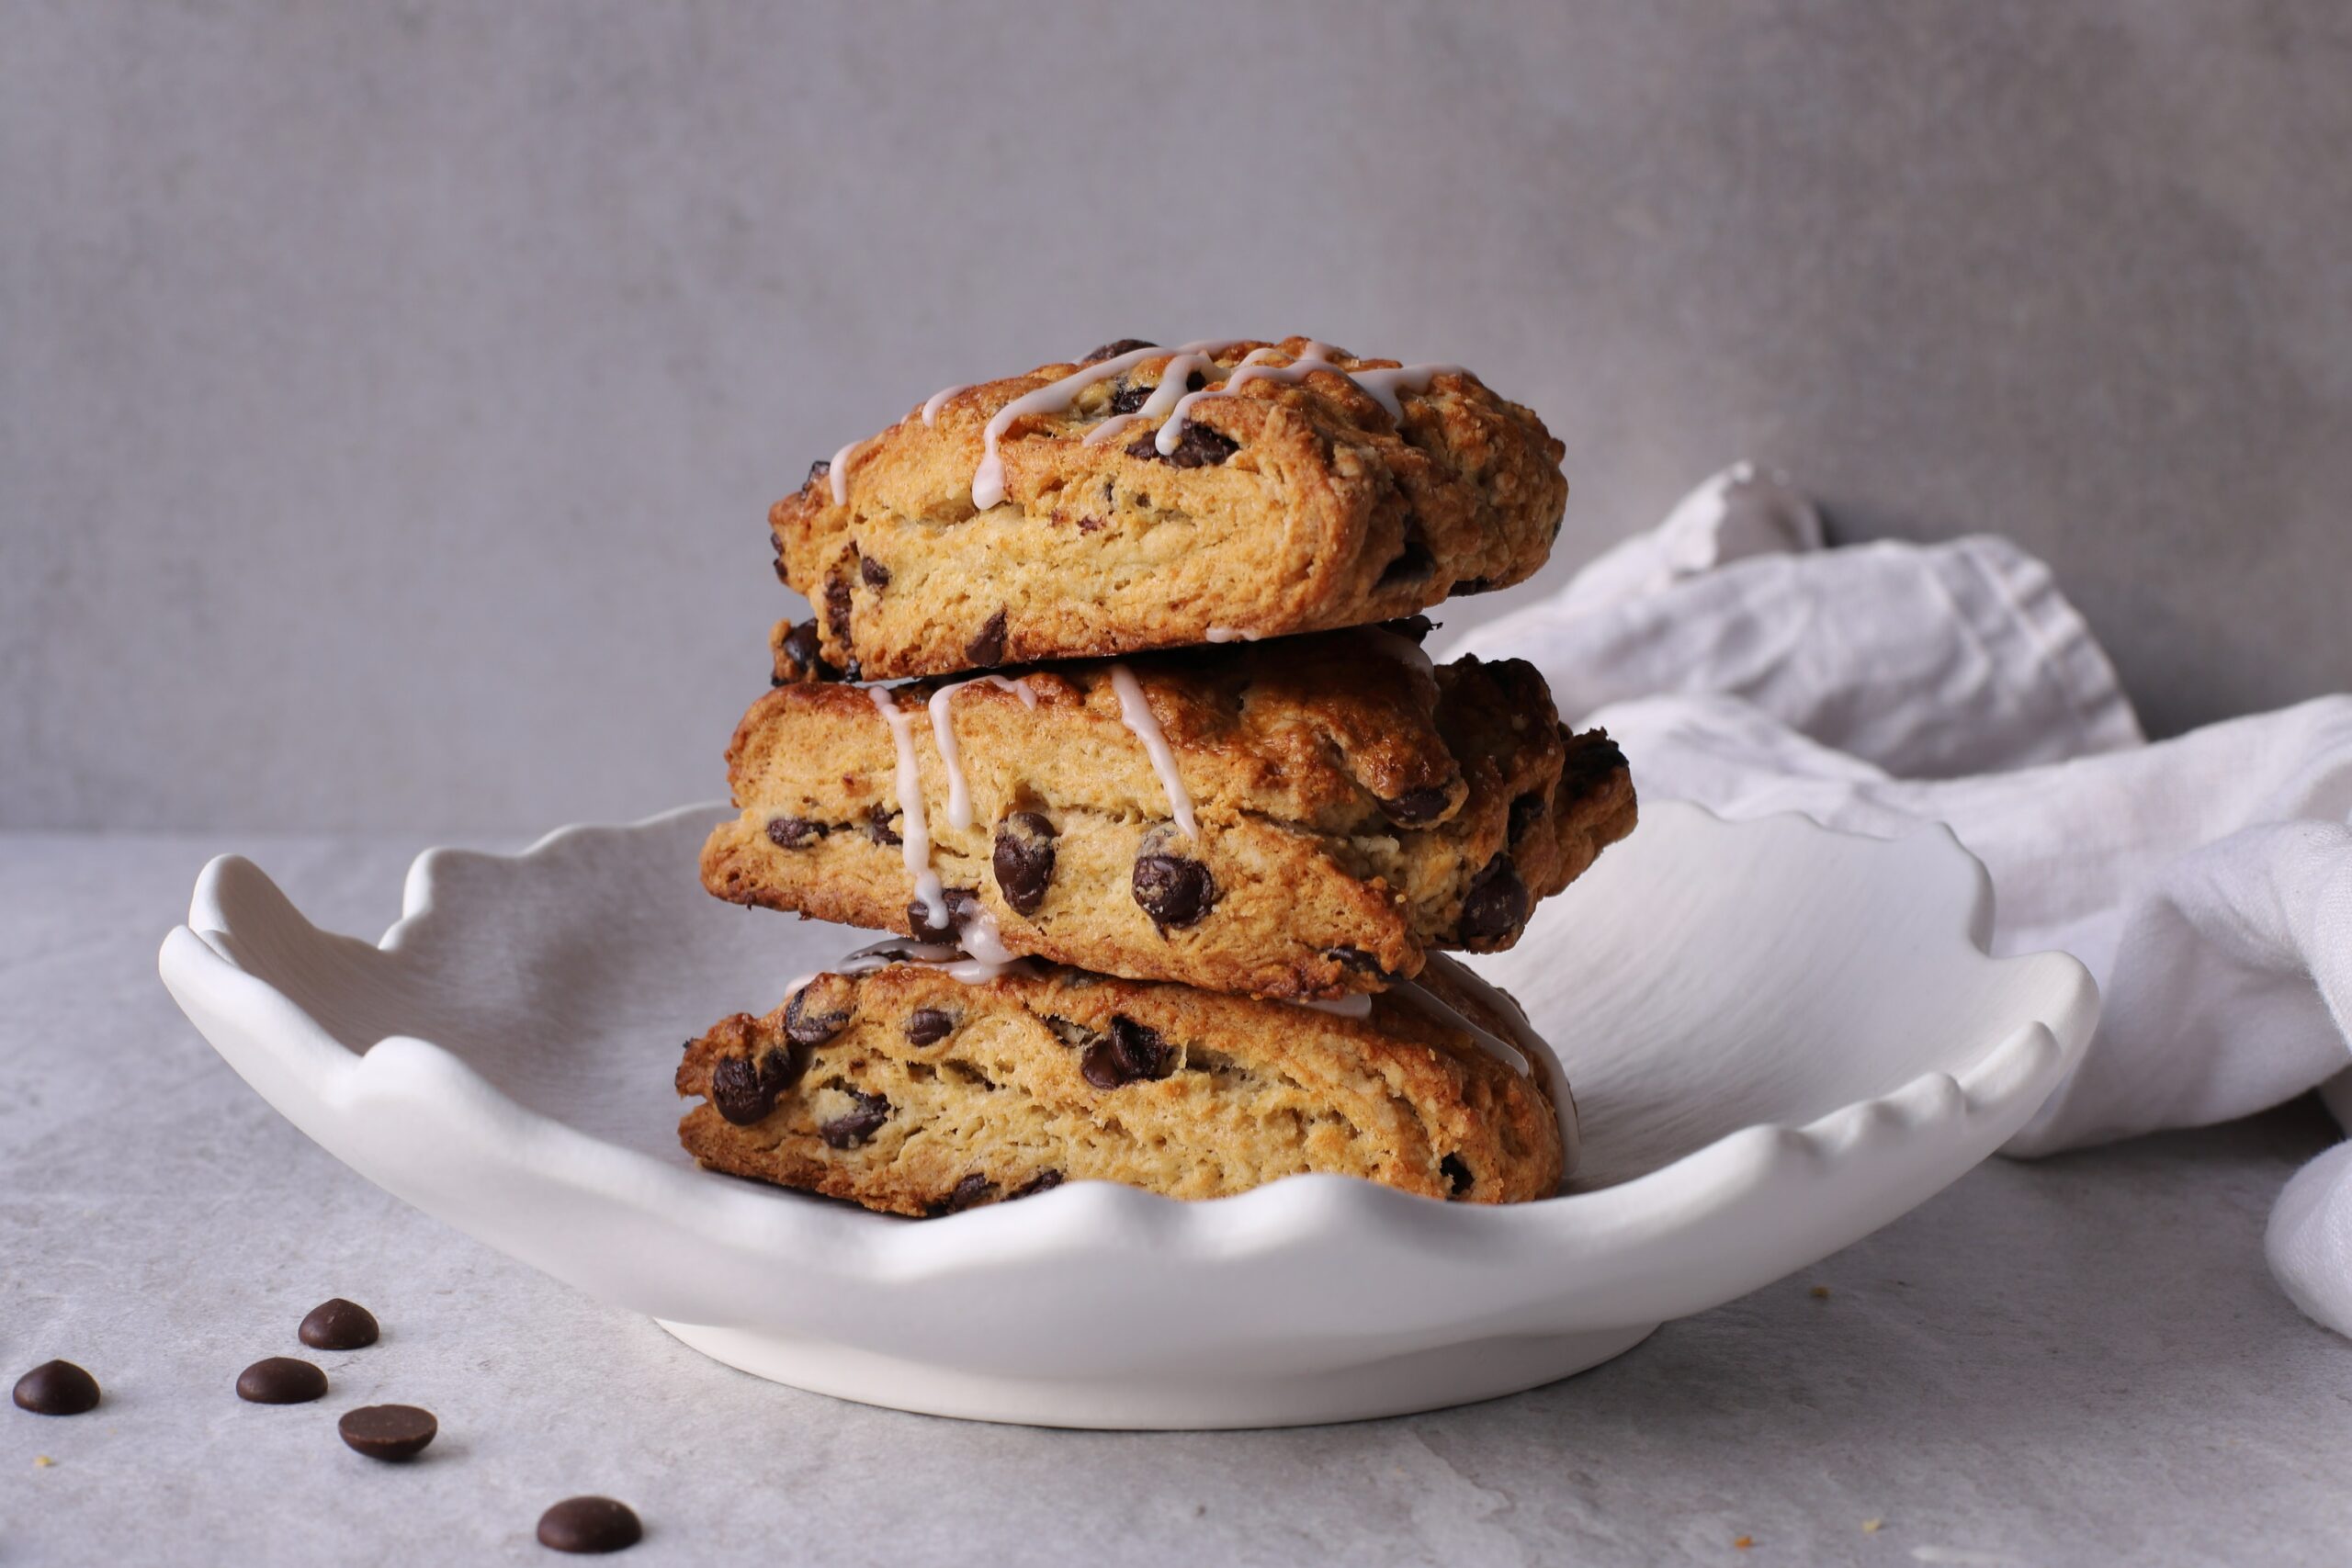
(896, 1085)
(1149, 498)
(1301, 819)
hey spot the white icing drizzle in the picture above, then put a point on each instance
(978, 935)
(948, 959)
(1403, 650)
(915, 841)
(1109, 428)
(1383, 386)
(1056, 397)
(1136, 713)
(943, 732)
(1232, 633)
(838, 471)
(1437, 1007)
(937, 400)
(1313, 357)
(1530, 1050)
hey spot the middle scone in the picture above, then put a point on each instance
(1302, 819)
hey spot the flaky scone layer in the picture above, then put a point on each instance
(1289, 506)
(910, 1091)
(1354, 806)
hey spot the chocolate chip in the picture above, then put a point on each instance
(819, 1009)
(988, 646)
(962, 905)
(387, 1431)
(1412, 628)
(853, 1128)
(1495, 905)
(1412, 563)
(975, 1188)
(57, 1388)
(1590, 762)
(1476, 585)
(1091, 524)
(1526, 810)
(794, 833)
(878, 824)
(929, 1026)
(817, 470)
(873, 573)
(1131, 1053)
(1024, 859)
(1457, 1174)
(1174, 890)
(804, 657)
(1356, 958)
(1197, 447)
(1044, 1181)
(1113, 350)
(837, 606)
(338, 1325)
(737, 1093)
(281, 1380)
(1129, 397)
(1418, 807)
(590, 1525)
(1195, 381)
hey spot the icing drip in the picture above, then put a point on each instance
(949, 960)
(1529, 1046)
(915, 840)
(1383, 386)
(943, 732)
(938, 400)
(981, 938)
(1136, 713)
(1056, 397)
(1232, 633)
(1403, 650)
(837, 472)
(1313, 357)
(1437, 1007)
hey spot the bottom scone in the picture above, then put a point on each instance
(916, 1080)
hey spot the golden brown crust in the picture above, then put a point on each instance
(1355, 809)
(909, 1091)
(1298, 507)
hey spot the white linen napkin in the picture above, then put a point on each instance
(2206, 880)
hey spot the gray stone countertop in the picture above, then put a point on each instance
(2083, 1361)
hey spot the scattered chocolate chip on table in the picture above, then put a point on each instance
(281, 1380)
(339, 1324)
(590, 1525)
(387, 1431)
(57, 1388)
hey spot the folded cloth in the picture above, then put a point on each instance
(2206, 880)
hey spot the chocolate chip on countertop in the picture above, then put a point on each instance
(1117, 347)
(988, 646)
(1174, 890)
(1024, 859)
(1457, 1174)
(929, 1026)
(975, 1188)
(819, 1009)
(1418, 807)
(281, 1380)
(387, 1431)
(589, 1525)
(338, 1325)
(794, 833)
(873, 573)
(1495, 905)
(57, 1388)
(1132, 1052)
(852, 1127)
(1197, 447)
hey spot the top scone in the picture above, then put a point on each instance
(1100, 507)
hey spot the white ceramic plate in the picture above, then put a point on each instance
(1780, 1038)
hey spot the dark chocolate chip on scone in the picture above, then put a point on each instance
(1302, 819)
(902, 1088)
(1165, 497)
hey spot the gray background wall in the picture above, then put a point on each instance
(392, 394)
